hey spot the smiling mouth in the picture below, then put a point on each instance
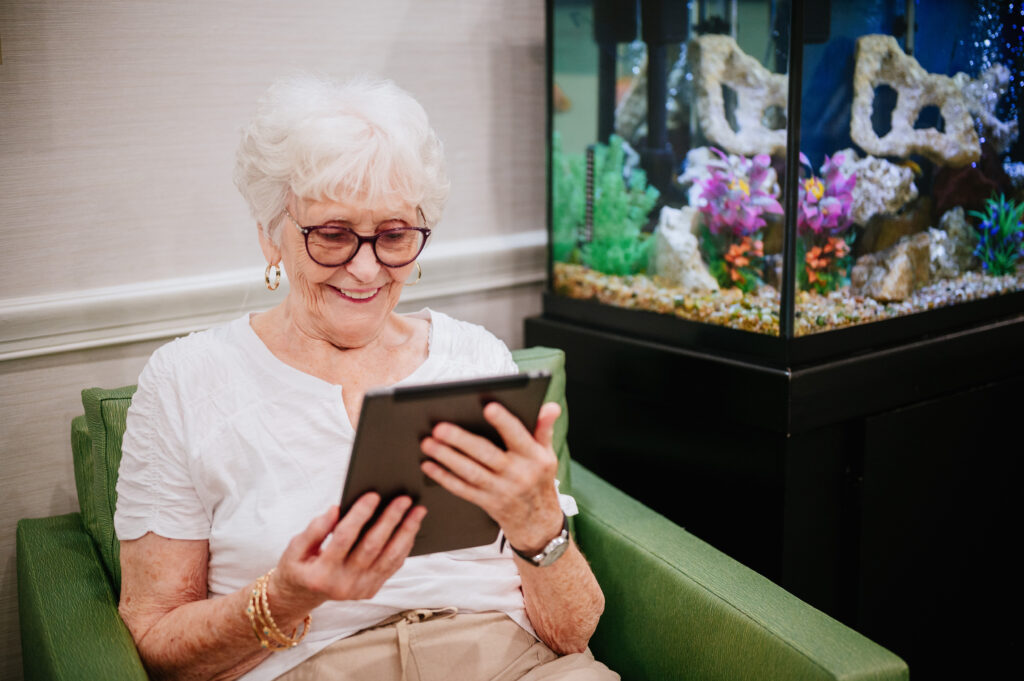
(359, 296)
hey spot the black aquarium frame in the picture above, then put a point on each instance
(787, 349)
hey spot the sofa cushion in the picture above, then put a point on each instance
(97, 451)
(551, 359)
(105, 412)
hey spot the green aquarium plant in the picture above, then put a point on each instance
(1001, 235)
(568, 201)
(615, 243)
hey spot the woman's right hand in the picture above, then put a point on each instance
(347, 566)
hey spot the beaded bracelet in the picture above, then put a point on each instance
(263, 625)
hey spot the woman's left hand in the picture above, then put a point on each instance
(515, 485)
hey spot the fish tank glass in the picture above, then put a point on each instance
(788, 179)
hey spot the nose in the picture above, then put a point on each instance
(364, 265)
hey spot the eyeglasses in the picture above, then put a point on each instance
(332, 246)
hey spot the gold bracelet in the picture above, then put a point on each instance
(288, 641)
(263, 625)
(262, 633)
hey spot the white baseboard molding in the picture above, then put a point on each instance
(42, 325)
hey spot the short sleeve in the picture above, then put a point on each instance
(466, 350)
(509, 364)
(155, 490)
(491, 351)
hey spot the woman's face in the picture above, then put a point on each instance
(348, 305)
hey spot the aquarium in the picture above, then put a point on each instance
(785, 179)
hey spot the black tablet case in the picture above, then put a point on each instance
(386, 454)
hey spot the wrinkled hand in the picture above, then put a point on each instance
(347, 567)
(515, 485)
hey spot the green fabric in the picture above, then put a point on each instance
(105, 412)
(70, 627)
(81, 450)
(679, 609)
(553, 360)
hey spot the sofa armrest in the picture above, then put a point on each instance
(676, 608)
(70, 627)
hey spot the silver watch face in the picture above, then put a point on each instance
(552, 552)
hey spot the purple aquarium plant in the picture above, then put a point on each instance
(733, 199)
(823, 223)
(736, 194)
(825, 202)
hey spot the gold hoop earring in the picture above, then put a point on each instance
(277, 276)
(419, 275)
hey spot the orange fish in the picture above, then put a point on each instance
(560, 100)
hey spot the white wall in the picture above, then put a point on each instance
(119, 225)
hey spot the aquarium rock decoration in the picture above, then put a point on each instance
(882, 187)
(677, 252)
(952, 246)
(720, 61)
(1000, 235)
(881, 61)
(917, 260)
(893, 274)
(982, 95)
(884, 230)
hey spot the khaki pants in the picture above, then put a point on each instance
(441, 645)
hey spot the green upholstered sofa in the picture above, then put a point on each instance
(676, 607)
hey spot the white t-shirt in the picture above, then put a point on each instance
(227, 443)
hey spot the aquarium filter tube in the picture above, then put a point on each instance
(588, 216)
(615, 21)
(663, 22)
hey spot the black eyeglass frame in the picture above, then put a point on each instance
(372, 240)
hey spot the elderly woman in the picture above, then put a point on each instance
(235, 562)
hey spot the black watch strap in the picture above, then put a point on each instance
(552, 550)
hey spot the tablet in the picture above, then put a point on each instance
(386, 454)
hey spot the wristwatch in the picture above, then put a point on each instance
(552, 551)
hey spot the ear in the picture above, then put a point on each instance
(271, 251)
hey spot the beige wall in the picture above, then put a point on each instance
(119, 225)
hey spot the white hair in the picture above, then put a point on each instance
(319, 139)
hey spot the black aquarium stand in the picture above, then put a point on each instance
(881, 487)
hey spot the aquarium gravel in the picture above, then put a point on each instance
(759, 311)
